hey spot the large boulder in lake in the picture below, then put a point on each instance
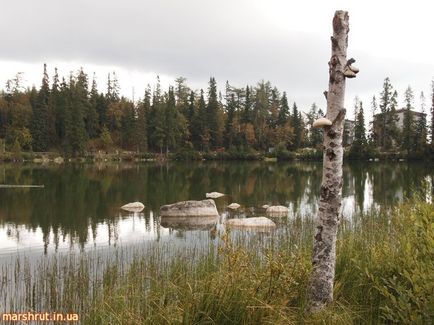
(133, 207)
(277, 211)
(190, 223)
(257, 222)
(214, 195)
(204, 208)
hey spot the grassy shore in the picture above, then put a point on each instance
(384, 275)
(306, 154)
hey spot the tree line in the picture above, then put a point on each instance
(70, 115)
(388, 132)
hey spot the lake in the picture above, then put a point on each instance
(78, 208)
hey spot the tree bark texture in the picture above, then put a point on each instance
(329, 210)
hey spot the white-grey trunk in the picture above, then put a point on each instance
(329, 210)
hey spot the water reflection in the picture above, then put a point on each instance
(79, 206)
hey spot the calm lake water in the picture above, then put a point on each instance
(78, 209)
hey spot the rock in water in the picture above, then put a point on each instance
(204, 208)
(265, 206)
(277, 211)
(258, 222)
(133, 207)
(214, 195)
(190, 223)
(234, 206)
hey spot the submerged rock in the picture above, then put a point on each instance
(190, 223)
(203, 208)
(133, 207)
(234, 206)
(257, 222)
(277, 211)
(214, 195)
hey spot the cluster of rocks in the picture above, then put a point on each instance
(185, 214)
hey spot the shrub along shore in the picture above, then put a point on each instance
(307, 154)
(384, 274)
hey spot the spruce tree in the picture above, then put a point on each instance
(421, 128)
(385, 98)
(247, 111)
(284, 110)
(157, 119)
(358, 147)
(80, 104)
(298, 128)
(391, 123)
(229, 127)
(142, 123)
(170, 125)
(315, 136)
(40, 127)
(212, 118)
(92, 119)
(408, 123)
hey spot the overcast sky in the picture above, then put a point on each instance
(243, 41)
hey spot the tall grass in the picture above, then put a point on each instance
(384, 274)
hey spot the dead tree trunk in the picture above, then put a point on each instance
(329, 211)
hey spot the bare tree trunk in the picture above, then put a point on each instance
(329, 211)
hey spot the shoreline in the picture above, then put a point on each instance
(125, 156)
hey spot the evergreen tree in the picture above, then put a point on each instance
(205, 135)
(374, 140)
(315, 134)
(385, 98)
(213, 110)
(247, 111)
(41, 116)
(182, 93)
(358, 147)
(57, 102)
(421, 128)
(298, 127)
(391, 123)
(170, 129)
(261, 113)
(229, 127)
(92, 119)
(157, 119)
(142, 122)
(80, 104)
(408, 123)
(284, 110)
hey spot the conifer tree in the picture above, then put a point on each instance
(229, 127)
(284, 110)
(358, 147)
(315, 134)
(408, 123)
(157, 119)
(247, 111)
(80, 104)
(40, 120)
(391, 123)
(142, 122)
(421, 128)
(385, 97)
(212, 118)
(373, 135)
(92, 119)
(298, 128)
